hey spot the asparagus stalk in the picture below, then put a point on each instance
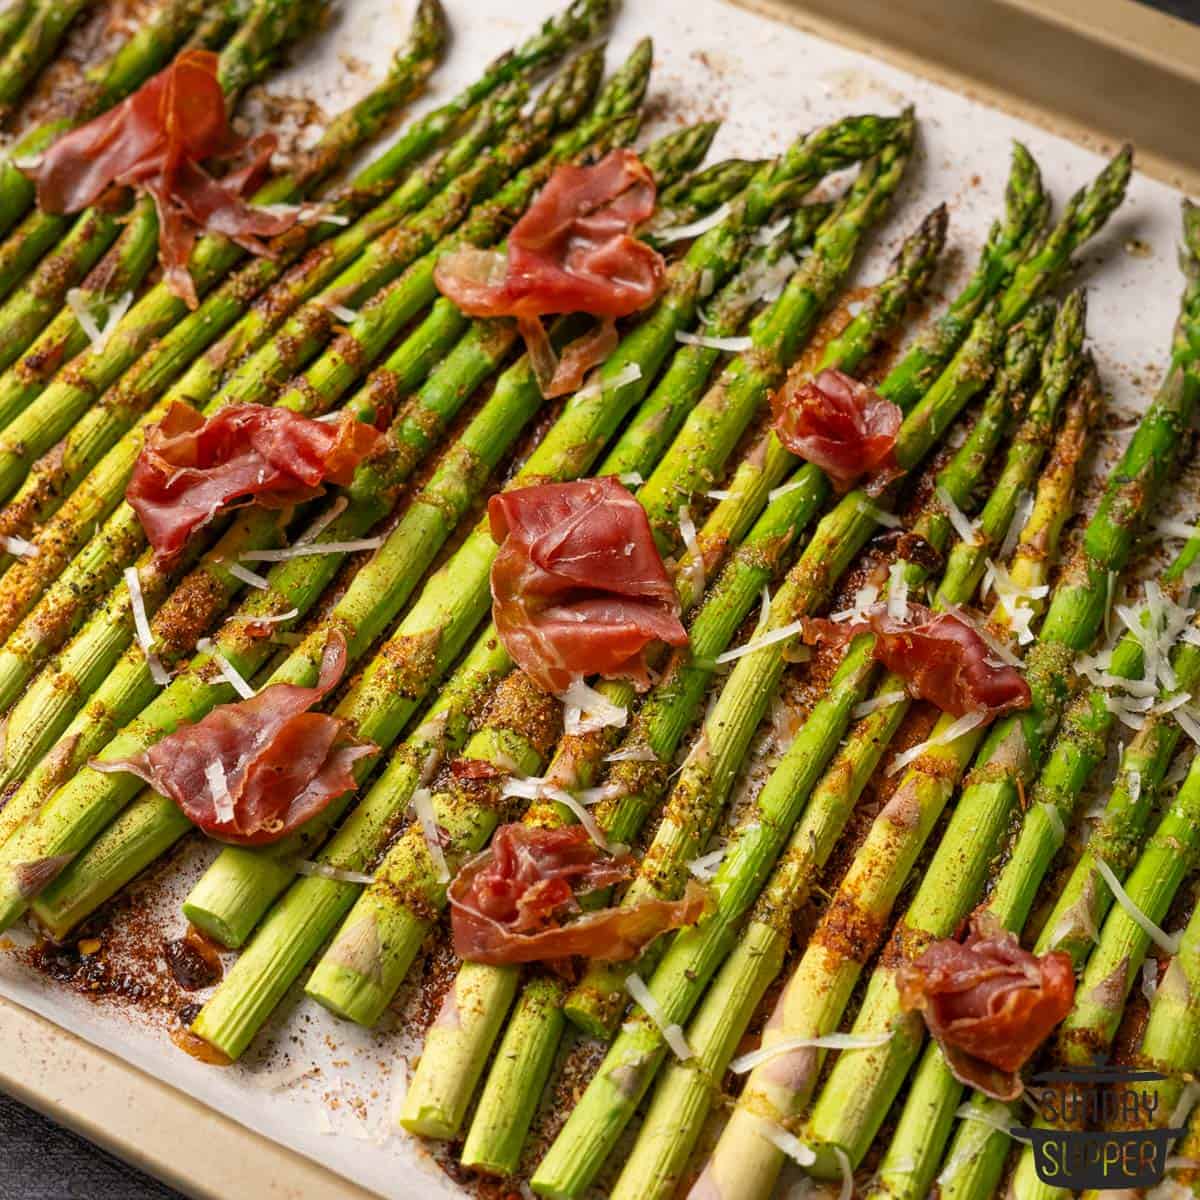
(526, 1054)
(33, 47)
(158, 312)
(596, 1003)
(609, 1101)
(442, 1089)
(664, 1144)
(862, 1086)
(451, 606)
(149, 823)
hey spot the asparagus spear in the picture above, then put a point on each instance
(442, 1087)
(597, 1001)
(451, 606)
(606, 1106)
(33, 47)
(665, 1142)
(861, 1087)
(150, 823)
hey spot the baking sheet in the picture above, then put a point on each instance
(327, 1089)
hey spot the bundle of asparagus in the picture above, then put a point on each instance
(729, 416)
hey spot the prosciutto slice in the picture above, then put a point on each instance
(839, 425)
(572, 251)
(154, 141)
(989, 1003)
(191, 468)
(578, 587)
(251, 772)
(516, 902)
(943, 658)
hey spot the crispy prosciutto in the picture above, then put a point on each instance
(572, 251)
(251, 772)
(839, 425)
(516, 902)
(578, 587)
(155, 141)
(988, 1002)
(943, 657)
(191, 468)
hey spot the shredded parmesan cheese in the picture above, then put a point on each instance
(828, 1041)
(783, 489)
(867, 707)
(218, 787)
(687, 531)
(422, 804)
(963, 525)
(789, 1143)
(228, 671)
(629, 373)
(1169, 942)
(721, 494)
(277, 619)
(679, 233)
(343, 313)
(532, 788)
(323, 522)
(672, 1033)
(587, 710)
(631, 479)
(734, 345)
(325, 871)
(79, 303)
(1150, 977)
(18, 546)
(300, 550)
(251, 578)
(758, 643)
(878, 515)
(955, 729)
(1021, 514)
(897, 602)
(141, 626)
(705, 867)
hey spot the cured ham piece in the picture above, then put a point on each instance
(251, 772)
(154, 141)
(191, 468)
(516, 902)
(942, 656)
(841, 426)
(578, 587)
(989, 1003)
(572, 251)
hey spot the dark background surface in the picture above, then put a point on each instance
(43, 1161)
